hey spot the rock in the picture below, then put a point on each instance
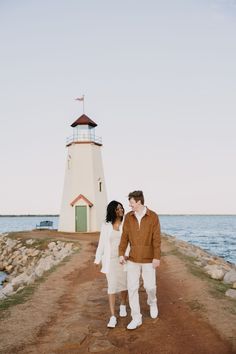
(31, 278)
(215, 271)
(100, 345)
(9, 268)
(43, 265)
(30, 242)
(234, 285)
(11, 243)
(51, 245)
(230, 277)
(231, 293)
(16, 253)
(32, 252)
(8, 289)
(69, 246)
(20, 280)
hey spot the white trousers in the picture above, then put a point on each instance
(134, 270)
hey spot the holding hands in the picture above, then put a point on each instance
(155, 263)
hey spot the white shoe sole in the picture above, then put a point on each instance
(132, 329)
(111, 326)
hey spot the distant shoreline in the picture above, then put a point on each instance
(28, 215)
(57, 215)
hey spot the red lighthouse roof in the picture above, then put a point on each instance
(84, 120)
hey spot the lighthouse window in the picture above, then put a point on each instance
(100, 186)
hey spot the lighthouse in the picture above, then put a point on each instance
(84, 195)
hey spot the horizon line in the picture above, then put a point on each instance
(160, 214)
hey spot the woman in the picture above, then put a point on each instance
(107, 253)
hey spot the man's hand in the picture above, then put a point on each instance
(122, 260)
(155, 263)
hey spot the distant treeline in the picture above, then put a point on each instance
(29, 215)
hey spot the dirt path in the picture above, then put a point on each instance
(68, 314)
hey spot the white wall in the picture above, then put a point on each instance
(83, 170)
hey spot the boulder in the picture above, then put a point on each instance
(69, 246)
(51, 245)
(8, 289)
(9, 268)
(234, 285)
(215, 271)
(20, 280)
(43, 265)
(30, 242)
(230, 277)
(231, 293)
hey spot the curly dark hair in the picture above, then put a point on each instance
(111, 211)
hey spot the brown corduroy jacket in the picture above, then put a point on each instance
(144, 240)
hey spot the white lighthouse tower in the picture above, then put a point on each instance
(84, 196)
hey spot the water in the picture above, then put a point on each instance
(24, 223)
(213, 233)
(2, 277)
(216, 234)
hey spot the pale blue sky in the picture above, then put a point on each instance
(159, 79)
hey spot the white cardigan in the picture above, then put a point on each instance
(103, 252)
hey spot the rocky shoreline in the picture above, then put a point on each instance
(216, 267)
(24, 261)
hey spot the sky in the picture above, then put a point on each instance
(159, 79)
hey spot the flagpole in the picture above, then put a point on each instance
(81, 99)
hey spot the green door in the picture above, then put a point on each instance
(81, 218)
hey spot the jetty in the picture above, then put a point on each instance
(66, 311)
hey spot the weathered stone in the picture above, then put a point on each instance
(9, 268)
(43, 265)
(69, 246)
(20, 280)
(8, 289)
(11, 243)
(51, 245)
(215, 271)
(234, 285)
(30, 242)
(230, 277)
(231, 293)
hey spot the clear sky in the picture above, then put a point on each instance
(159, 79)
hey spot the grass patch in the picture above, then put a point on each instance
(217, 287)
(20, 297)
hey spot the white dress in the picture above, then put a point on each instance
(117, 277)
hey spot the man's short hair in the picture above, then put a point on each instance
(137, 195)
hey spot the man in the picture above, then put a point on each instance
(141, 230)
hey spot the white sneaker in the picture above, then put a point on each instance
(153, 311)
(134, 324)
(112, 322)
(123, 312)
